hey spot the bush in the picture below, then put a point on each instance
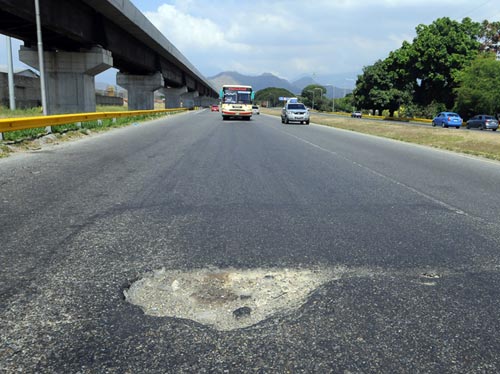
(418, 111)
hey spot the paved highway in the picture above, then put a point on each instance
(404, 241)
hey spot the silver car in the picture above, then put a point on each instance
(294, 111)
(483, 122)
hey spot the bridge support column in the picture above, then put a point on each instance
(140, 89)
(173, 96)
(206, 101)
(188, 99)
(69, 76)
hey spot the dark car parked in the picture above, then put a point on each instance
(483, 122)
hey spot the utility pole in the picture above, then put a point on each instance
(333, 96)
(12, 97)
(41, 61)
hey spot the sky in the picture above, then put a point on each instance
(328, 40)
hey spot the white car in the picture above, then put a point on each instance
(255, 109)
(294, 112)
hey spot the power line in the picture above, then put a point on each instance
(474, 9)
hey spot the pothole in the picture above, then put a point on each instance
(226, 299)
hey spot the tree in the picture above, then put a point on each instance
(345, 104)
(377, 89)
(489, 36)
(272, 95)
(366, 86)
(439, 52)
(479, 92)
(313, 96)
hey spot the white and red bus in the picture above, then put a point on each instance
(236, 101)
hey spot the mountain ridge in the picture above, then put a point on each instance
(266, 80)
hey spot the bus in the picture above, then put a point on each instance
(236, 101)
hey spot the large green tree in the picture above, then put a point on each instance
(439, 52)
(424, 73)
(377, 88)
(478, 91)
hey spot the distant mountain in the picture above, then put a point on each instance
(331, 91)
(303, 82)
(267, 80)
(257, 82)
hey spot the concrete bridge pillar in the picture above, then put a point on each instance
(140, 89)
(188, 99)
(69, 77)
(206, 101)
(173, 96)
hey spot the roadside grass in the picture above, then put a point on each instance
(24, 139)
(472, 142)
(7, 113)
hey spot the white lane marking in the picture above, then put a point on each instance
(445, 205)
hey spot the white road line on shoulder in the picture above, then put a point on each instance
(391, 180)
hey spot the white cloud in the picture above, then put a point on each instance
(291, 37)
(189, 32)
(294, 38)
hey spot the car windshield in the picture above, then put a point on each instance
(296, 106)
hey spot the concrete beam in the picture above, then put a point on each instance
(172, 74)
(190, 82)
(69, 76)
(173, 96)
(140, 89)
(207, 101)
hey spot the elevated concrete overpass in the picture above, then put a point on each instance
(82, 38)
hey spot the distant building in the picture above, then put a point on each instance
(26, 88)
(109, 95)
(107, 100)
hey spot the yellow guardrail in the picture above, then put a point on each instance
(13, 124)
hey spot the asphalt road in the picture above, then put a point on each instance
(411, 234)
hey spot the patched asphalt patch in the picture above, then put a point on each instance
(226, 299)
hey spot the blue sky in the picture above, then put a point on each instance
(330, 40)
